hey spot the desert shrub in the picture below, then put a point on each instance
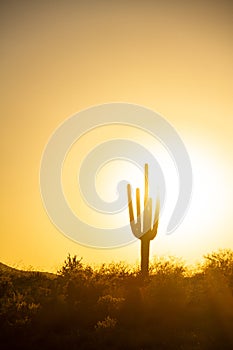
(109, 305)
(107, 323)
(221, 261)
(72, 265)
(167, 266)
(6, 286)
(113, 307)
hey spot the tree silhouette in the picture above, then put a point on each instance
(145, 229)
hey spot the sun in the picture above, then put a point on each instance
(204, 218)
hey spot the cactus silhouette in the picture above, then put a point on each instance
(145, 229)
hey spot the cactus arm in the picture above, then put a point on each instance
(135, 226)
(146, 186)
(156, 219)
(138, 207)
(157, 210)
(130, 204)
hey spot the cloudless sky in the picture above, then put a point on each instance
(59, 57)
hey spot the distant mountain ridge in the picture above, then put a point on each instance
(5, 269)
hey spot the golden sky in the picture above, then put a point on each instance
(59, 57)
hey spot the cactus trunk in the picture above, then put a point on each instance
(145, 251)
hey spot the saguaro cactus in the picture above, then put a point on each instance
(146, 230)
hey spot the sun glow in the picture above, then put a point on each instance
(112, 173)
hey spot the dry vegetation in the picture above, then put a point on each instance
(114, 308)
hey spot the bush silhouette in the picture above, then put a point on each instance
(113, 307)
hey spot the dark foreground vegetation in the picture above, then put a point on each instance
(113, 308)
